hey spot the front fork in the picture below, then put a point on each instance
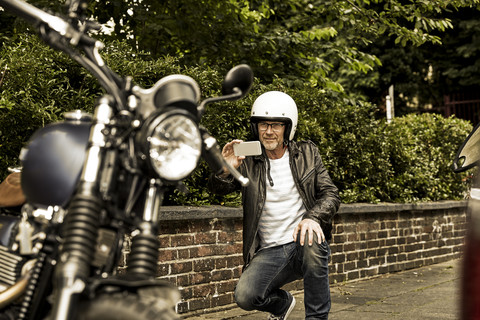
(82, 221)
(143, 257)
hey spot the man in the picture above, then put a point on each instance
(287, 213)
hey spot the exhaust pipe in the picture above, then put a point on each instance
(14, 292)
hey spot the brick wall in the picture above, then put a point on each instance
(375, 239)
(201, 247)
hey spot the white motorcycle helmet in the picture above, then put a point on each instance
(275, 106)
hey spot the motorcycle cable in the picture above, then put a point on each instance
(91, 61)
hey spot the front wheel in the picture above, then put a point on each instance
(128, 306)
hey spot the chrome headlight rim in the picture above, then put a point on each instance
(187, 152)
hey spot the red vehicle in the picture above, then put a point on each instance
(468, 156)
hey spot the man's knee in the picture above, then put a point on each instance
(316, 253)
(244, 297)
(307, 238)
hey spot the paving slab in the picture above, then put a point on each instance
(430, 292)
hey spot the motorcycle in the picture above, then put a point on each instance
(94, 184)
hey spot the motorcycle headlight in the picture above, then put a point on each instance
(174, 145)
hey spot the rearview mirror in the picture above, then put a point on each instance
(236, 85)
(468, 155)
(238, 78)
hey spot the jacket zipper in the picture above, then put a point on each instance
(308, 175)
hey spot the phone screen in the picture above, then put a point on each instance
(249, 148)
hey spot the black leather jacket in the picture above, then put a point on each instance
(319, 194)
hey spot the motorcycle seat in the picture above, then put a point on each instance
(11, 194)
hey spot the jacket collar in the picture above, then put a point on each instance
(293, 148)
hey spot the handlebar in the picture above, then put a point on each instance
(37, 16)
(34, 15)
(215, 160)
(63, 35)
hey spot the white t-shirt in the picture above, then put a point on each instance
(283, 208)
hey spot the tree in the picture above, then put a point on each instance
(323, 42)
(458, 66)
(423, 74)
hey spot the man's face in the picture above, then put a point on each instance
(271, 134)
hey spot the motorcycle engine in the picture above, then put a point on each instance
(11, 260)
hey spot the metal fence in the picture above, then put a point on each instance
(464, 106)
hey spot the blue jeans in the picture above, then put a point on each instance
(271, 268)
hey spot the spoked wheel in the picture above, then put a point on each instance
(128, 306)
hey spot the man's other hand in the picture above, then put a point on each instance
(308, 226)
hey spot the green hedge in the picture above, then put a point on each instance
(39, 84)
(369, 160)
(407, 160)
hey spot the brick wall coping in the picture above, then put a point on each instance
(175, 213)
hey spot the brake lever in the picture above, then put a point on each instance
(244, 181)
(214, 158)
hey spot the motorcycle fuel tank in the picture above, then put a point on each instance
(52, 162)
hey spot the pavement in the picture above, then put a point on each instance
(426, 293)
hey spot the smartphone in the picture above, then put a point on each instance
(249, 148)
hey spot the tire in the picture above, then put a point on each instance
(127, 306)
(9, 313)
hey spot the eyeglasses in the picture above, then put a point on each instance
(263, 126)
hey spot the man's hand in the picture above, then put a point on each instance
(310, 226)
(230, 157)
